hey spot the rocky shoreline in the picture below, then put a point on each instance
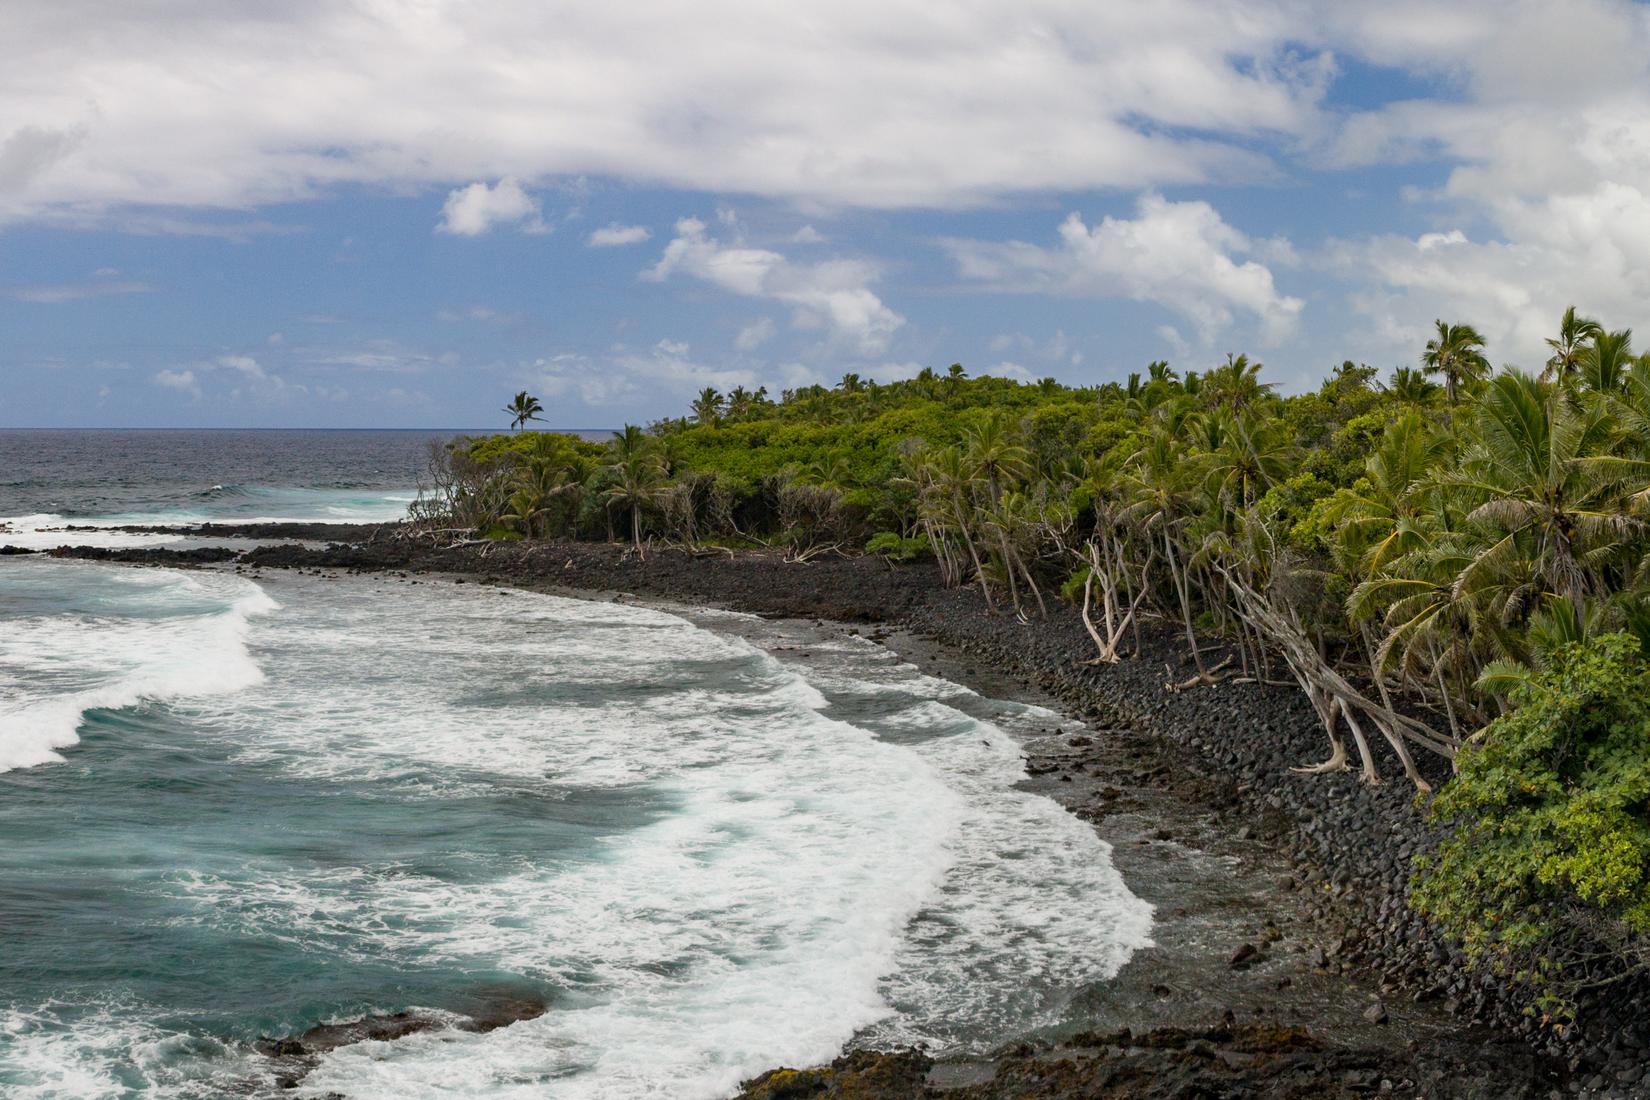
(1329, 856)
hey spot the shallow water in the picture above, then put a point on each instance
(239, 808)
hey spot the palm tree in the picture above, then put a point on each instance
(1574, 334)
(707, 407)
(1603, 365)
(1252, 456)
(994, 455)
(954, 481)
(740, 403)
(1385, 515)
(1235, 384)
(1411, 386)
(851, 383)
(524, 408)
(1457, 353)
(635, 475)
(1547, 473)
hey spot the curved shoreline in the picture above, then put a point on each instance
(1326, 854)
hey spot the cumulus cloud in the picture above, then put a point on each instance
(476, 209)
(1180, 255)
(441, 92)
(833, 293)
(181, 380)
(616, 235)
(755, 334)
(1547, 149)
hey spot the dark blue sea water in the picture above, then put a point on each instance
(236, 807)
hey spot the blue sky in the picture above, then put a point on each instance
(399, 212)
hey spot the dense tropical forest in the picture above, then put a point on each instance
(1453, 561)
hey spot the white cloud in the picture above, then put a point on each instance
(476, 209)
(755, 334)
(1547, 146)
(1177, 254)
(832, 293)
(626, 376)
(484, 314)
(412, 93)
(380, 355)
(807, 235)
(180, 380)
(59, 293)
(615, 235)
(245, 364)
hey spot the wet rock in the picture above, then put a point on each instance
(861, 1075)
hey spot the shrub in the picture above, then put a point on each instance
(890, 545)
(1550, 860)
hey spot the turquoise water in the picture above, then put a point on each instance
(233, 808)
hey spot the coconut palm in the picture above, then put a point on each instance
(1575, 333)
(1548, 472)
(1234, 385)
(1411, 386)
(707, 407)
(523, 408)
(635, 473)
(1603, 365)
(1456, 353)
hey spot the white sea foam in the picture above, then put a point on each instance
(131, 637)
(110, 1051)
(795, 879)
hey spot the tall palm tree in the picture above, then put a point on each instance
(707, 407)
(1253, 455)
(954, 479)
(994, 454)
(1457, 353)
(1548, 473)
(1235, 384)
(635, 474)
(1575, 333)
(1603, 364)
(525, 407)
(1411, 386)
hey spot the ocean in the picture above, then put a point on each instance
(708, 844)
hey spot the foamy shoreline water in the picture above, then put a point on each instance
(900, 796)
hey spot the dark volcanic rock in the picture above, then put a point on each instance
(148, 555)
(861, 1075)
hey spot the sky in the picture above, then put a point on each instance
(398, 213)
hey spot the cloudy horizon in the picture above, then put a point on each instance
(399, 212)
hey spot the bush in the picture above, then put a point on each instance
(1550, 860)
(892, 546)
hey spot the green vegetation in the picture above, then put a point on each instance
(1551, 857)
(1430, 562)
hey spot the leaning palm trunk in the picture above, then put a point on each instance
(1319, 679)
(1008, 571)
(1117, 621)
(1204, 676)
(973, 553)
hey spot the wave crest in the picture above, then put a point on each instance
(131, 640)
